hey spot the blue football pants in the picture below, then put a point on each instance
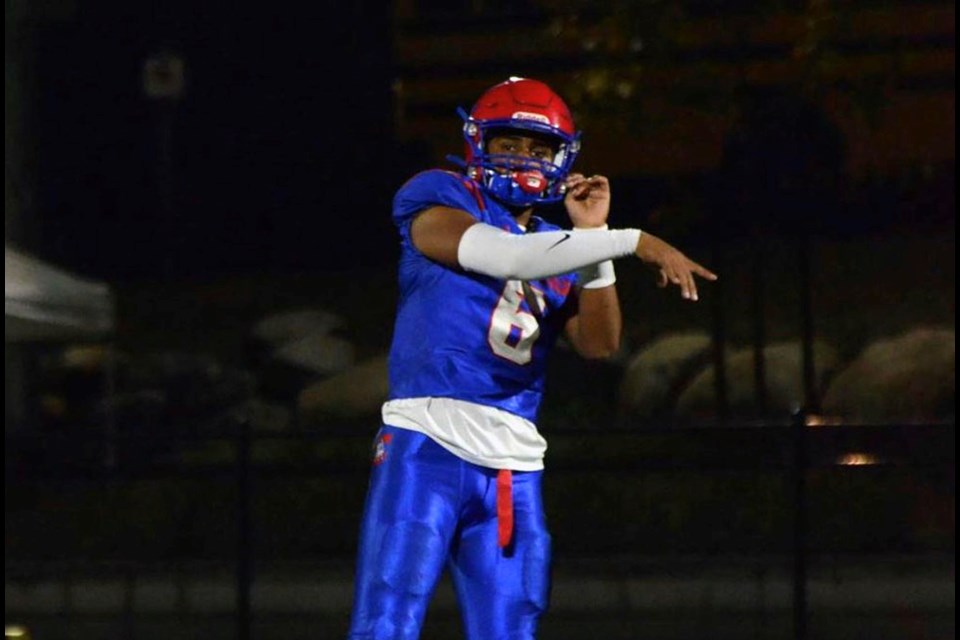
(427, 508)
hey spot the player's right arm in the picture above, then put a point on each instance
(455, 238)
(436, 233)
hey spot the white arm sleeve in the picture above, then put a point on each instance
(493, 252)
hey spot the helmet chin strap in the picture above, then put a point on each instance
(521, 188)
(516, 187)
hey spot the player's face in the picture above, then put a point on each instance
(523, 146)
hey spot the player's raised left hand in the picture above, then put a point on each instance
(587, 200)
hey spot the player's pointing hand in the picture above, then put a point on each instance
(673, 266)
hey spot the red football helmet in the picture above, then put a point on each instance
(528, 106)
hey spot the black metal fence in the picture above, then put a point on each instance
(237, 502)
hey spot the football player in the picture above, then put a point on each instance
(486, 287)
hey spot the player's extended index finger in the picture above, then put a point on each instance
(702, 271)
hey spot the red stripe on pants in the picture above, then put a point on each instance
(504, 506)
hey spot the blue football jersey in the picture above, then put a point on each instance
(466, 335)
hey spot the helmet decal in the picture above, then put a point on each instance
(526, 115)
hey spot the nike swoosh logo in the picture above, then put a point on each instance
(565, 237)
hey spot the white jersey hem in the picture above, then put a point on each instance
(479, 434)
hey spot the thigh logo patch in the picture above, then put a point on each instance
(380, 448)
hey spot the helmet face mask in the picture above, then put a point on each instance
(520, 107)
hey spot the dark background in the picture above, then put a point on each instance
(267, 188)
(280, 153)
(283, 152)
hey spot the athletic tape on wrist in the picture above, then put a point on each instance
(597, 276)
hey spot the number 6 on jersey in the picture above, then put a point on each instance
(513, 330)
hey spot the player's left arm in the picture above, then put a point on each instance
(595, 326)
